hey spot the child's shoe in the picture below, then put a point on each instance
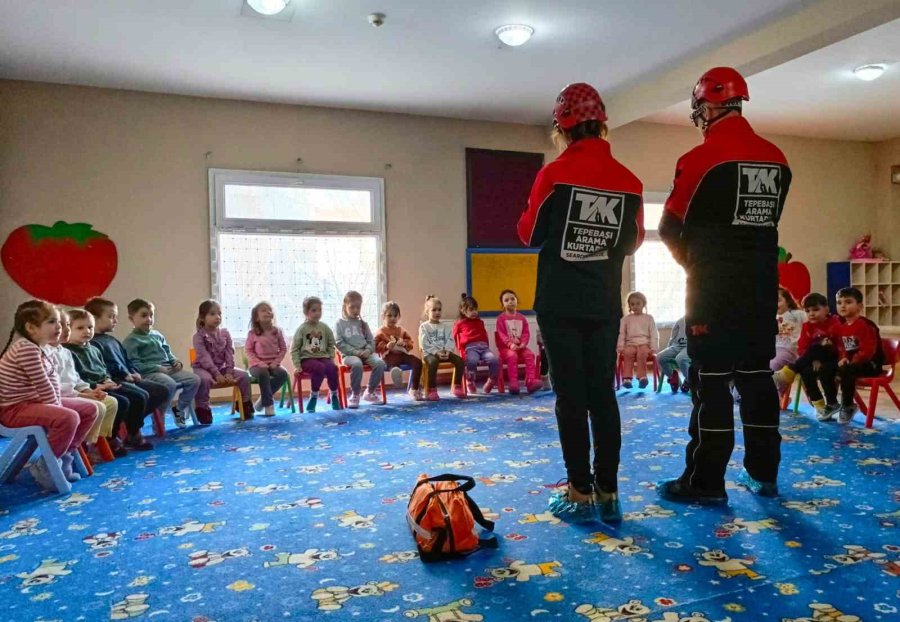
(371, 396)
(457, 391)
(470, 387)
(269, 411)
(545, 380)
(685, 387)
(248, 410)
(336, 401)
(353, 400)
(674, 490)
(642, 383)
(433, 395)
(763, 489)
(847, 413)
(397, 376)
(609, 505)
(66, 461)
(311, 404)
(572, 505)
(821, 410)
(513, 388)
(626, 383)
(673, 381)
(180, 417)
(534, 386)
(204, 415)
(116, 447)
(830, 411)
(488, 386)
(257, 405)
(416, 395)
(41, 473)
(138, 442)
(784, 378)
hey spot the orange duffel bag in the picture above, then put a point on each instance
(442, 517)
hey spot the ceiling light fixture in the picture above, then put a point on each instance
(869, 72)
(514, 35)
(268, 7)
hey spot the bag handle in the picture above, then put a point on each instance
(468, 482)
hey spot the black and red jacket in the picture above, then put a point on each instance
(586, 213)
(721, 223)
(813, 333)
(860, 342)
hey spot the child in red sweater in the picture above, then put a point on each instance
(817, 361)
(859, 349)
(472, 341)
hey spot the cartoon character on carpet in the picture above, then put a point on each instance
(101, 541)
(823, 612)
(855, 554)
(25, 527)
(360, 484)
(818, 481)
(333, 598)
(624, 546)
(812, 506)
(650, 511)
(75, 500)
(189, 527)
(399, 557)
(521, 572)
(753, 527)
(202, 559)
(451, 612)
(632, 611)
(313, 503)
(263, 490)
(131, 606)
(353, 520)
(544, 517)
(728, 567)
(46, 573)
(306, 559)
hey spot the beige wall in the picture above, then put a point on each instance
(887, 236)
(133, 164)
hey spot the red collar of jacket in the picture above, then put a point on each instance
(594, 146)
(728, 126)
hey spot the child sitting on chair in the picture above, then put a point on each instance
(674, 358)
(818, 359)
(638, 339)
(513, 335)
(394, 345)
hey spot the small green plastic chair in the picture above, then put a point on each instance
(286, 391)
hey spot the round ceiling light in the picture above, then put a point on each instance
(869, 72)
(268, 7)
(514, 35)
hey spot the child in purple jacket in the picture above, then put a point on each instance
(214, 361)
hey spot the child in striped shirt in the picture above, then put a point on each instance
(30, 393)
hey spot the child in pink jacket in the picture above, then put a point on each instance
(214, 361)
(513, 335)
(638, 339)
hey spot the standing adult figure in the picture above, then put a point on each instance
(585, 212)
(721, 223)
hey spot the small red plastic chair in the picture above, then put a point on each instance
(654, 366)
(889, 347)
(342, 380)
(299, 377)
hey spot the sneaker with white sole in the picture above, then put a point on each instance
(270, 411)
(396, 376)
(371, 396)
(180, 417)
(416, 395)
(257, 405)
(353, 400)
(847, 413)
(41, 474)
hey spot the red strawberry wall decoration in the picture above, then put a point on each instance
(63, 264)
(793, 275)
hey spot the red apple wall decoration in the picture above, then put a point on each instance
(793, 275)
(63, 264)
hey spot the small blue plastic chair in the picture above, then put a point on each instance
(22, 444)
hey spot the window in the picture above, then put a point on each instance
(281, 237)
(654, 272)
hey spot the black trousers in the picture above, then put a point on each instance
(133, 404)
(827, 358)
(848, 375)
(157, 394)
(582, 356)
(712, 423)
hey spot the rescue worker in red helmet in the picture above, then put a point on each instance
(585, 212)
(721, 223)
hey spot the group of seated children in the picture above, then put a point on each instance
(639, 339)
(391, 347)
(828, 350)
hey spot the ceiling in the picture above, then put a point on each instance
(816, 95)
(432, 57)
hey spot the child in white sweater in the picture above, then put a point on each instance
(638, 339)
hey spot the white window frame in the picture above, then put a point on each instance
(649, 235)
(218, 223)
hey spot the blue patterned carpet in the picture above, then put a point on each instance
(301, 517)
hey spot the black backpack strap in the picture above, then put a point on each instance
(468, 482)
(477, 514)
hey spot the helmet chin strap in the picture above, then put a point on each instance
(704, 123)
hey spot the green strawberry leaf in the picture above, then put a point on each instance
(79, 232)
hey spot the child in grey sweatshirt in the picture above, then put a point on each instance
(356, 344)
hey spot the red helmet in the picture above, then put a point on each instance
(720, 85)
(577, 103)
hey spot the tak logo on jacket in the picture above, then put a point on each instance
(850, 343)
(759, 191)
(592, 225)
